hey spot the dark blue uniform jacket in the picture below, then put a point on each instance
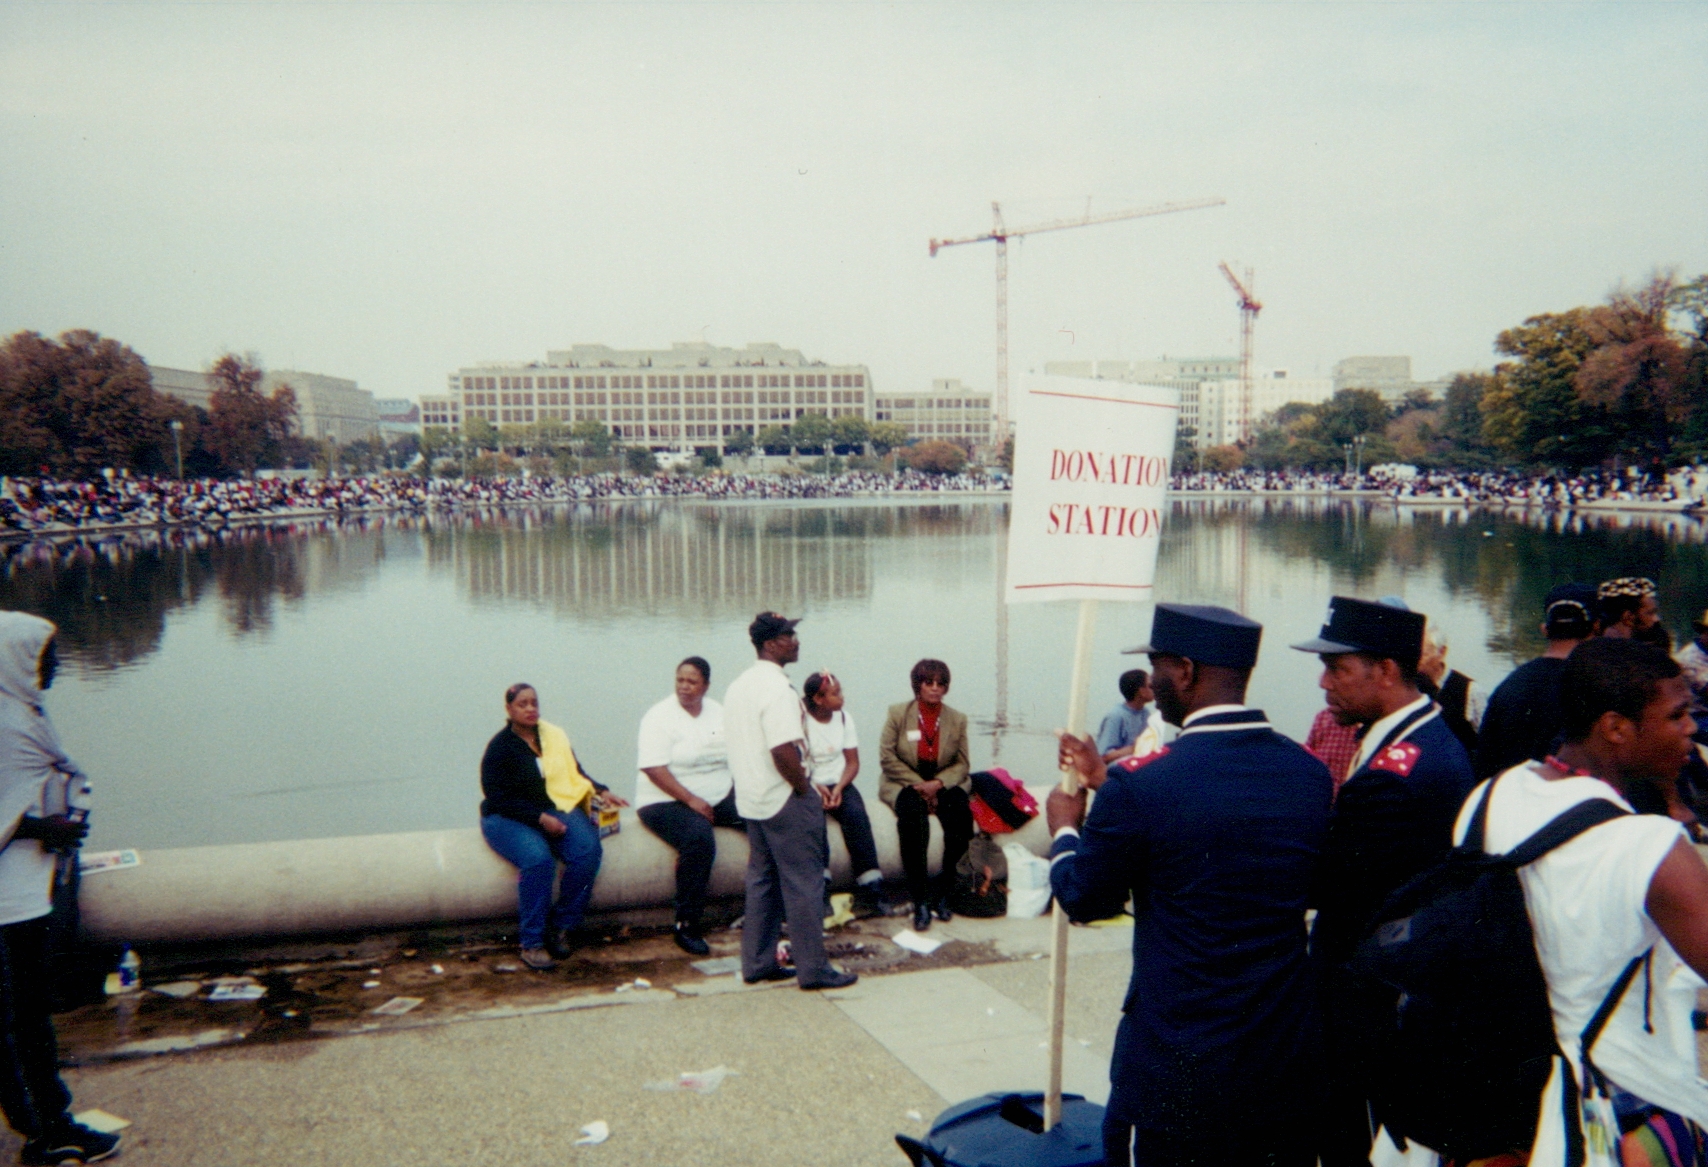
(1392, 819)
(1216, 840)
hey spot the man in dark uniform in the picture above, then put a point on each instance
(1217, 1058)
(1392, 819)
(1523, 717)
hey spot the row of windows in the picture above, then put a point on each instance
(668, 381)
(936, 403)
(773, 414)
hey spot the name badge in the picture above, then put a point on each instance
(914, 735)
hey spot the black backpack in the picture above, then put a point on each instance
(1454, 1036)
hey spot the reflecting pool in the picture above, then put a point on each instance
(314, 679)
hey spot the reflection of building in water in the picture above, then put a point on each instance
(644, 557)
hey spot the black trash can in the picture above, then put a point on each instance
(1007, 1130)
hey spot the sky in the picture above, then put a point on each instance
(387, 192)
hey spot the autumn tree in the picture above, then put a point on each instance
(935, 457)
(75, 406)
(246, 427)
(1637, 371)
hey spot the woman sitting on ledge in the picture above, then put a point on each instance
(923, 755)
(537, 810)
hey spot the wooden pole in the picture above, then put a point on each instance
(1059, 940)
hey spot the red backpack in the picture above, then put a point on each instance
(1000, 802)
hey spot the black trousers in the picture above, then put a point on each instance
(856, 832)
(31, 1094)
(696, 848)
(1127, 1146)
(913, 831)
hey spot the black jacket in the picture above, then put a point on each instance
(511, 781)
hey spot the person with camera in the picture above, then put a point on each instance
(43, 814)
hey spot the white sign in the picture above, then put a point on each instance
(1091, 463)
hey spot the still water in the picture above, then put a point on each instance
(311, 680)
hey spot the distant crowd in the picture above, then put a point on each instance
(31, 505)
(1494, 486)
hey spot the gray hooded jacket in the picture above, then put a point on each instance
(36, 776)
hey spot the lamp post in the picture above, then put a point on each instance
(1347, 448)
(178, 446)
(1358, 456)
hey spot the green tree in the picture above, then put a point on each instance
(639, 460)
(850, 432)
(773, 439)
(590, 438)
(246, 427)
(812, 431)
(480, 434)
(887, 436)
(549, 434)
(739, 443)
(1223, 458)
(1185, 453)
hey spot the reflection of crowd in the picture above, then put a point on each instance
(1503, 487)
(43, 504)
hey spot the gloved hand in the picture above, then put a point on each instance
(57, 832)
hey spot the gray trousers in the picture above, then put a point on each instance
(787, 855)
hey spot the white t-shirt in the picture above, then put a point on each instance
(1587, 909)
(693, 748)
(761, 711)
(825, 741)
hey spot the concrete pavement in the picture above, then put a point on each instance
(820, 1078)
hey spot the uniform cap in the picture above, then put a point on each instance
(1355, 625)
(1205, 634)
(1569, 610)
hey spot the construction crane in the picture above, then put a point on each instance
(1000, 235)
(1249, 307)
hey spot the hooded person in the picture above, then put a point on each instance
(43, 801)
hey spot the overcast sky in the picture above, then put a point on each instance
(389, 191)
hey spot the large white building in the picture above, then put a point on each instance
(950, 412)
(327, 407)
(691, 395)
(1389, 376)
(1209, 390)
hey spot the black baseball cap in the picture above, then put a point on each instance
(1569, 610)
(1205, 634)
(769, 626)
(1354, 625)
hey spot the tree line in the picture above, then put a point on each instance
(1617, 384)
(84, 403)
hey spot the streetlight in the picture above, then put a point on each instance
(1347, 447)
(1358, 456)
(178, 445)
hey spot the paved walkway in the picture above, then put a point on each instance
(819, 1078)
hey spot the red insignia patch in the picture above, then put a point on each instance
(1397, 759)
(1130, 763)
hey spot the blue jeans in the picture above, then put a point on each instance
(536, 857)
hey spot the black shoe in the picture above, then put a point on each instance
(941, 908)
(688, 940)
(75, 1143)
(562, 945)
(921, 916)
(836, 980)
(774, 973)
(867, 904)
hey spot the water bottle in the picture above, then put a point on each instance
(130, 971)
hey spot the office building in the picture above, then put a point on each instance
(328, 408)
(691, 395)
(1209, 389)
(397, 415)
(1389, 376)
(950, 412)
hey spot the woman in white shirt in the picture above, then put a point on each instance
(835, 761)
(685, 789)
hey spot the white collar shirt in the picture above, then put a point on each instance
(1380, 729)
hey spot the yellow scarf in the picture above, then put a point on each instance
(565, 784)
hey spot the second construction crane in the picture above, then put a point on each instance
(1000, 235)
(1249, 307)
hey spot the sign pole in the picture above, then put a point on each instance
(1059, 937)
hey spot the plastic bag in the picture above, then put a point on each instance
(1028, 882)
(695, 1081)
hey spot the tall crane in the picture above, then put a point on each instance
(1000, 235)
(1249, 307)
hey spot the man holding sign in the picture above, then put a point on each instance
(1216, 839)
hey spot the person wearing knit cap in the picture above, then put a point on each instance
(1628, 607)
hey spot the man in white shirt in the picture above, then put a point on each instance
(785, 817)
(1630, 893)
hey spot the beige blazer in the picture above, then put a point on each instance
(898, 757)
